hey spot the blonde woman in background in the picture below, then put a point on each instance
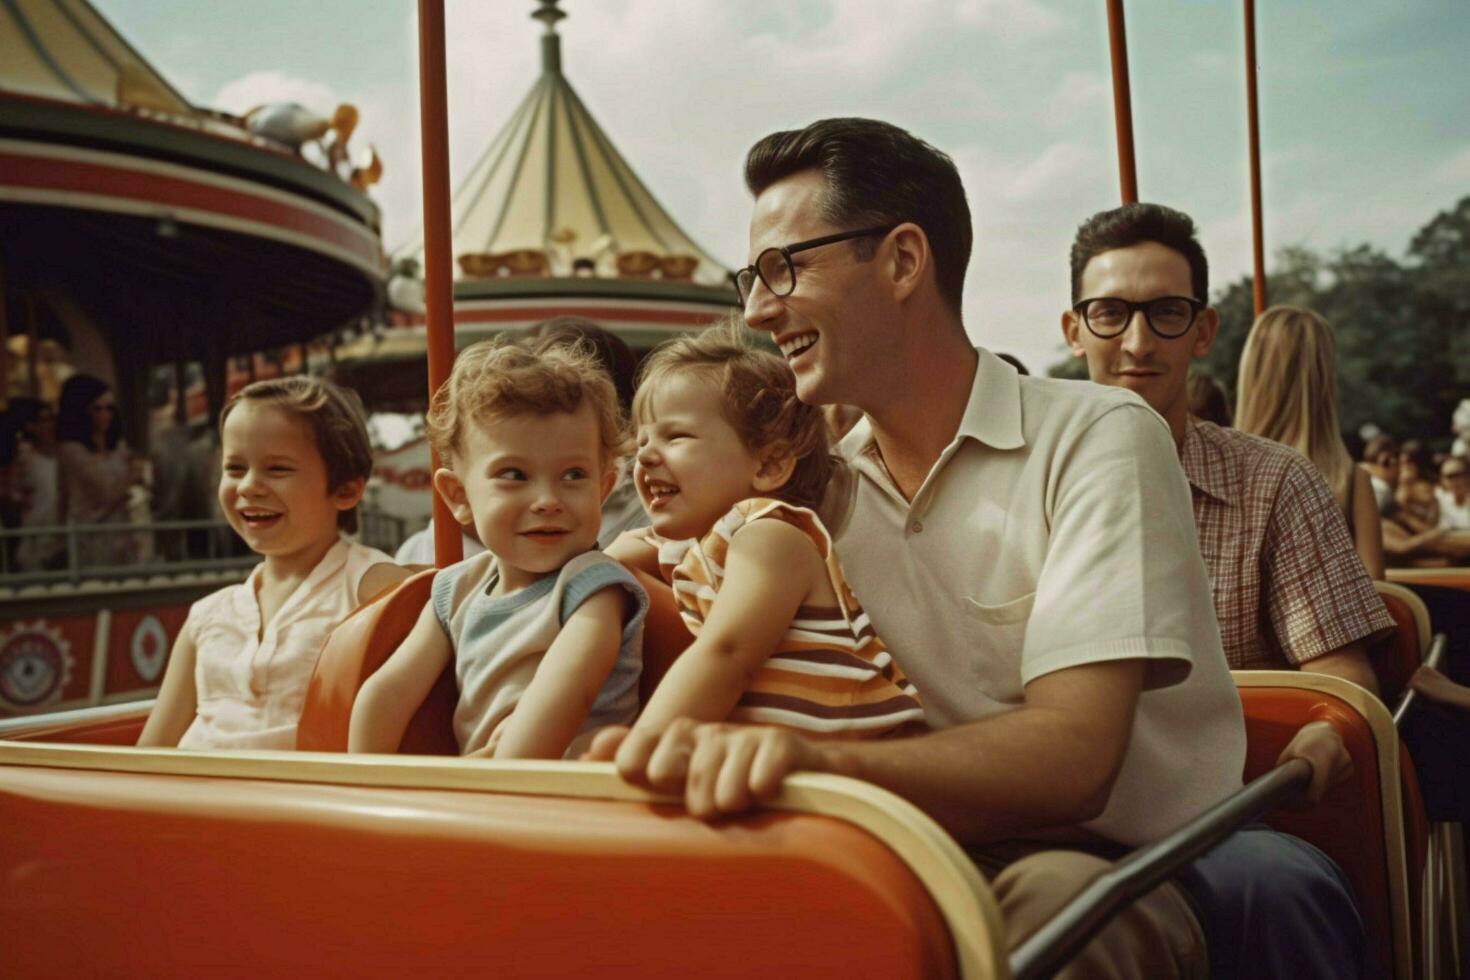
(1286, 391)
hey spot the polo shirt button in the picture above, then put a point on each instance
(917, 527)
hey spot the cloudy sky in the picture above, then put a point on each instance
(1365, 108)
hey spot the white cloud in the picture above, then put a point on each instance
(1455, 171)
(1078, 93)
(265, 87)
(1057, 169)
(1017, 19)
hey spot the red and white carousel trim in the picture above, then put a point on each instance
(68, 176)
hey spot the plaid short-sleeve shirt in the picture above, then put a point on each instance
(1288, 585)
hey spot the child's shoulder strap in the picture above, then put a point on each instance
(591, 572)
(455, 584)
(762, 508)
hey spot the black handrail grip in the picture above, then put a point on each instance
(1407, 699)
(1064, 935)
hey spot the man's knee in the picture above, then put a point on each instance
(1275, 906)
(1269, 875)
(1032, 889)
(1156, 937)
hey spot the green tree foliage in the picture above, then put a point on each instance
(1402, 328)
(1441, 251)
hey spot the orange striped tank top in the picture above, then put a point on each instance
(830, 675)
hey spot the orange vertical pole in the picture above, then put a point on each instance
(1258, 244)
(1122, 102)
(438, 289)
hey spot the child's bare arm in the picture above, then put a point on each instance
(567, 681)
(178, 698)
(770, 569)
(635, 550)
(388, 700)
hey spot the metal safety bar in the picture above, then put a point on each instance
(1431, 659)
(1064, 936)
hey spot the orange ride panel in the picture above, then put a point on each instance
(118, 874)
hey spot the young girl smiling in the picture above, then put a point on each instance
(729, 465)
(296, 457)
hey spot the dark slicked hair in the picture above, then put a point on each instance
(611, 351)
(1135, 223)
(74, 422)
(876, 174)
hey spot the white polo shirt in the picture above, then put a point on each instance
(1055, 530)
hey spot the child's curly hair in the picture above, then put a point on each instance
(337, 422)
(759, 397)
(496, 379)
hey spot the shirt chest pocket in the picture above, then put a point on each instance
(996, 635)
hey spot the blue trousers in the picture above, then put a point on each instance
(1273, 906)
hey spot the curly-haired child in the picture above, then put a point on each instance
(729, 465)
(544, 629)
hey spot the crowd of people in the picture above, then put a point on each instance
(69, 464)
(900, 558)
(1423, 500)
(65, 465)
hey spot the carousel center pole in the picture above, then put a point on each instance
(1122, 102)
(438, 290)
(1258, 244)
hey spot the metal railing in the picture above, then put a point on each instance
(77, 553)
(1064, 935)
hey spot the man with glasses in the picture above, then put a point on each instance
(1290, 591)
(1060, 632)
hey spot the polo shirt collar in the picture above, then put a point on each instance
(993, 413)
(1205, 464)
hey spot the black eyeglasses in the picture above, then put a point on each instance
(774, 267)
(1167, 316)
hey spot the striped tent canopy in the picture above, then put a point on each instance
(552, 197)
(65, 50)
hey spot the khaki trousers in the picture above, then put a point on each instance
(1158, 938)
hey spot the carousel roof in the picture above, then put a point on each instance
(66, 50)
(552, 197)
(176, 230)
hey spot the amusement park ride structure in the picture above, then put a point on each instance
(387, 865)
(550, 221)
(139, 231)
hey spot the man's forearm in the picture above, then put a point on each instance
(993, 779)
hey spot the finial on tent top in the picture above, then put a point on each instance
(549, 14)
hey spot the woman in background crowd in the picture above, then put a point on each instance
(1287, 392)
(35, 480)
(1416, 507)
(96, 473)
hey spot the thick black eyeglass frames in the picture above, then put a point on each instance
(1167, 316)
(774, 267)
